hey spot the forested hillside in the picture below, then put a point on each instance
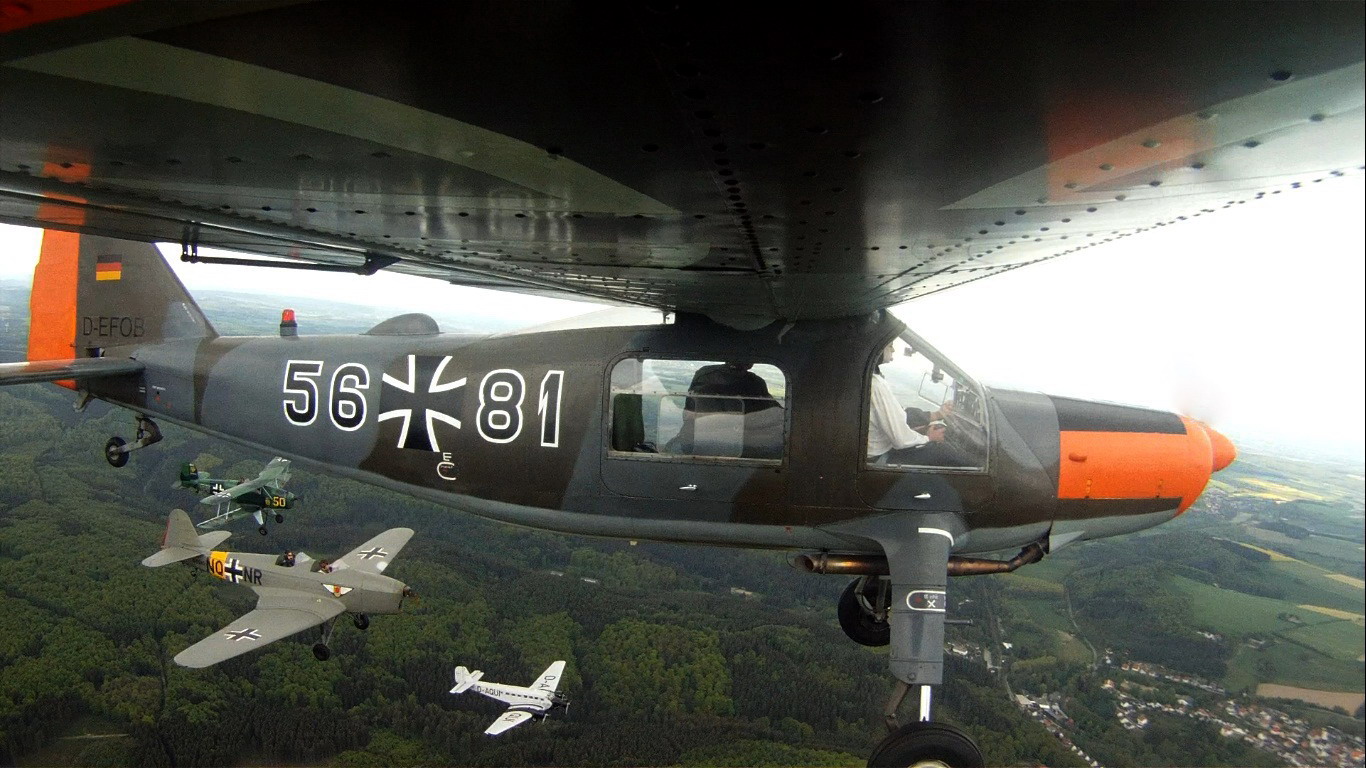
(676, 655)
(666, 664)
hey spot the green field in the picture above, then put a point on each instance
(1234, 613)
(1309, 584)
(1320, 653)
(1290, 664)
(1336, 638)
(1050, 613)
(1073, 650)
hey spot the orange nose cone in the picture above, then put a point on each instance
(1224, 452)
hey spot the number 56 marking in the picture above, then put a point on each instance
(346, 400)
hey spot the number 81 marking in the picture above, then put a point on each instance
(501, 394)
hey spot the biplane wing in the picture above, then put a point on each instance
(274, 475)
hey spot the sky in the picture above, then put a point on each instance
(1252, 320)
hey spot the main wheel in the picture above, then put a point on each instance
(361, 621)
(857, 621)
(262, 530)
(112, 454)
(924, 745)
(321, 652)
(279, 518)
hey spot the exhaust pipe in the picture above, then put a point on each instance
(876, 565)
(827, 562)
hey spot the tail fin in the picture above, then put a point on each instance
(91, 293)
(464, 679)
(181, 542)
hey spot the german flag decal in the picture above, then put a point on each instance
(109, 267)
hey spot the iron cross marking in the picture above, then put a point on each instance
(243, 634)
(372, 552)
(234, 572)
(410, 396)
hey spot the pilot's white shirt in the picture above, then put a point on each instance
(887, 422)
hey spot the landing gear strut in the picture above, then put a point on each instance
(320, 650)
(116, 450)
(261, 521)
(909, 611)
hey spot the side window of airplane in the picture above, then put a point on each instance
(712, 408)
(921, 414)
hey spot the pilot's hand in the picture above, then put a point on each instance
(945, 410)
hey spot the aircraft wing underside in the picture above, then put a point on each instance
(279, 613)
(722, 159)
(57, 370)
(376, 554)
(509, 719)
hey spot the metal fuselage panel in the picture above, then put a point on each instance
(359, 591)
(516, 427)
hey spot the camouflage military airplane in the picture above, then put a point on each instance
(234, 499)
(775, 179)
(294, 592)
(525, 702)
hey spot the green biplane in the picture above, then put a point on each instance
(234, 499)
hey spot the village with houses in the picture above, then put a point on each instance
(1240, 717)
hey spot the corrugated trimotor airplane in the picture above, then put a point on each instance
(294, 592)
(774, 179)
(524, 703)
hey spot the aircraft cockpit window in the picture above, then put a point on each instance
(921, 414)
(713, 408)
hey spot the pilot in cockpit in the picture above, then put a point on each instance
(891, 436)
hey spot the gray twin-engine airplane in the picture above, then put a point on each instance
(525, 702)
(771, 178)
(294, 593)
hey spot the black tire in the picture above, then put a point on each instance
(857, 623)
(263, 530)
(112, 454)
(321, 652)
(361, 621)
(279, 518)
(927, 744)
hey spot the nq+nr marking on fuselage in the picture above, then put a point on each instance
(232, 570)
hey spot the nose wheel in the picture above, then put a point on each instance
(927, 744)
